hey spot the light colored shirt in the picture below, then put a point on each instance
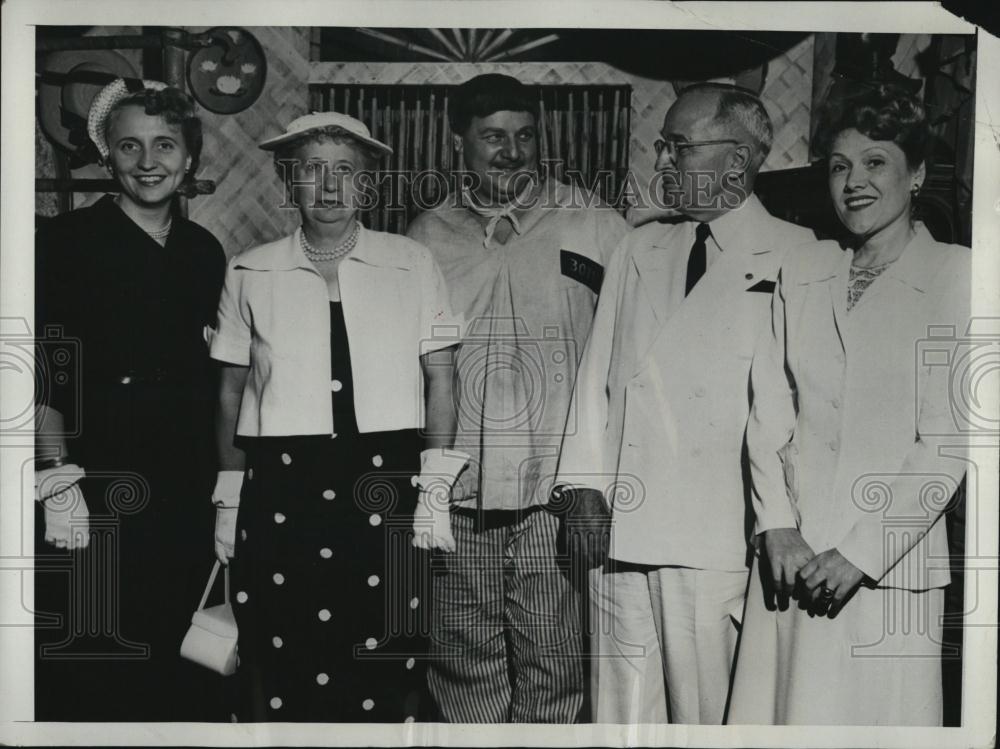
(274, 316)
(529, 300)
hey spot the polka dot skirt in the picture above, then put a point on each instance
(327, 589)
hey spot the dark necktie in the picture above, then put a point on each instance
(697, 258)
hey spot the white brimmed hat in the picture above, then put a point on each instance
(319, 120)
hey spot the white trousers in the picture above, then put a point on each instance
(663, 641)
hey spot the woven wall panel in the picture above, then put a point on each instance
(244, 209)
(444, 73)
(787, 95)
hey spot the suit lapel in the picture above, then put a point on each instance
(838, 297)
(656, 269)
(744, 263)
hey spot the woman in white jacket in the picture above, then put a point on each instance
(338, 343)
(854, 447)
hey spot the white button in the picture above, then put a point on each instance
(372, 581)
(275, 703)
(834, 445)
(277, 642)
(324, 615)
(279, 579)
(700, 392)
(242, 596)
(250, 473)
(409, 719)
(337, 386)
(368, 704)
(286, 459)
(371, 643)
(325, 553)
(329, 494)
(410, 663)
(835, 403)
(243, 535)
(377, 461)
(375, 520)
(322, 679)
(279, 518)
(414, 602)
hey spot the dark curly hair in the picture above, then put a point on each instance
(176, 108)
(486, 94)
(880, 112)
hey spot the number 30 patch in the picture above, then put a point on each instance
(588, 272)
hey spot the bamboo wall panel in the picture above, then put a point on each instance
(405, 117)
(787, 94)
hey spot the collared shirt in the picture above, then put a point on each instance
(529, 301)
(728, 230)
(274, 317)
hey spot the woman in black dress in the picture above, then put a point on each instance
(124, 291)
(339, 342)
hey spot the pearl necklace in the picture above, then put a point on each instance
(339, 251)
(159, 234)
(162, 233)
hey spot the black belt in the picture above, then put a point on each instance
(495, 518)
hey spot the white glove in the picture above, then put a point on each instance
(228, 485)
(226, 498)
(225, 533)
(432, 522)
(439, 468)
(67, 518)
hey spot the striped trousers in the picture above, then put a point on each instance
(505, 639)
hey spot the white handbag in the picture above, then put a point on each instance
(211, 639)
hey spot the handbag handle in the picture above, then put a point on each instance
(211, 583)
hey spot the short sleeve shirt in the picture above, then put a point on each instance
(528, 301)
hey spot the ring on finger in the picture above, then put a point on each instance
(825, 594)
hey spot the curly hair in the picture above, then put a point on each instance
(486, 94)
(176, 108)
(286, 151)
(881, 112)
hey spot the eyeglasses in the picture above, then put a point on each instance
(674, 147)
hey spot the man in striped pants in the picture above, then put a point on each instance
(523, 259)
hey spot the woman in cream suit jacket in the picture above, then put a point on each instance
(853, 446)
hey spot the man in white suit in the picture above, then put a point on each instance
(661, 404)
